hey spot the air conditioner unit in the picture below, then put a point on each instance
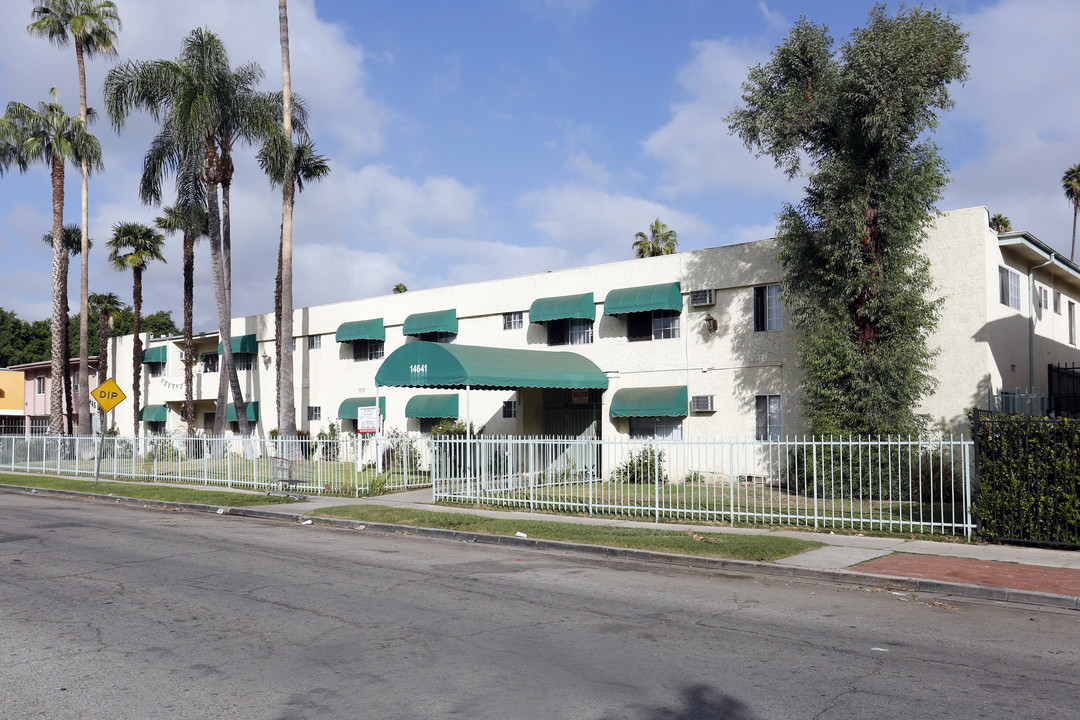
(702, 298)
(701, 403)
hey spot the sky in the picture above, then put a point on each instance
(481, 139)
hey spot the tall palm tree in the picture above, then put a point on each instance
(192, 221)
(659, 241)
(1000, 224)
(205, 108)
(133, 246)
(72, 246)
(301, 165)
(50, 136)
(92, 24)
(1070, 183)
(108, 308)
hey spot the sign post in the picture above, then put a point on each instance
(107, 395)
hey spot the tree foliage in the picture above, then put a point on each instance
(855, 281)
(661, 240)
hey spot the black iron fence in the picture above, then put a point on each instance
(1063, 390)
(1027, 479)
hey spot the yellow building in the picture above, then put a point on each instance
(12, 387)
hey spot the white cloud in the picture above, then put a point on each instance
(583, 166)
(774, 18)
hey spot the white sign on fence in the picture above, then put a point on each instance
(367, 419)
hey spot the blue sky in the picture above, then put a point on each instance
(474, 140)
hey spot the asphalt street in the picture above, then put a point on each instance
(110, 611)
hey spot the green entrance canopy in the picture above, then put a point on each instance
(242, 344)
(347, 408)
(650, 402)
(438, 321)
(432, 406)
(154, 413)
(251, 410)
(427, 364)
(361, 330)
(155, 355)
(665, 296)
(562, 308)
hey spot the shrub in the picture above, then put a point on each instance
(644, 466)
(400, 452)
(328, 443)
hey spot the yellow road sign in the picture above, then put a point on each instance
(108, 395)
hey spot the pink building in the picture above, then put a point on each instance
(37, 396)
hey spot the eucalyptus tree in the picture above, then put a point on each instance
(190, 220)
(91, 25)
(72, 237)
(1070, 183)
(855, 281)
(132, 247)
(108, 308)
(48, 135)
(205, 108)
(661, 240)
(301, 165)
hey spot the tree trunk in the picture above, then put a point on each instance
(278, 339)
(85, 426)
(189, 342)
(65, 261)
(226, 253)
(56, 393)
(1072, 251)
(103, 358)
(137, 346)
(286, 400)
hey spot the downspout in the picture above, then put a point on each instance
(1031, 321)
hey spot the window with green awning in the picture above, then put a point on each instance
(650, 402)
(154, 413)
(432, 406)
(243, 344)
(155, 354)
(623, 301)
(348, 407)
(431, 322)
(361, 330)
(251, 410)
(563, 307)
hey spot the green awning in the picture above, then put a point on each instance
(155, 355)
(665, 296)
(251, 409)
(439, 321)
(347, 409)
(154, 413)
(432, 406)
(563, 307)
(242, 344)
(650, 402)
(427, 364)
(361, 330)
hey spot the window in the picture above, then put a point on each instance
(314, 412)
(1057, 302)
(1072, 323)
(572, 331)
(660, 428)
(509, 409)
(244, 361)
(1009, 283)
(156, 369)
(210, 362)
(437, 337)
(767, 416)
(314, 342)
(208, 421)
(1044, 298)
(156, 427)
(294, 344)
(767, 308)
(39, 385)
(665, 324)
(367, 349)
(513, 321)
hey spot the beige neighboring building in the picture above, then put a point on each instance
(695, 344)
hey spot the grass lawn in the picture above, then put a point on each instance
(143, 491)
(737, 547)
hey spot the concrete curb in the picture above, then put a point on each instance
(846, 577)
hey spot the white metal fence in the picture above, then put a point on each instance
(890, 484)
(344, 465)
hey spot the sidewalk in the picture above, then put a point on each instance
(992, 572)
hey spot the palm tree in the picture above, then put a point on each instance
(659, 241)
(108, 308)
(204, 108)
(192, 221)
(1000, 224)
(133, 246)
(92, 24)
(400, 288)
(302, 165)
(1070, 182)
(72, 245)
(52, 137)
